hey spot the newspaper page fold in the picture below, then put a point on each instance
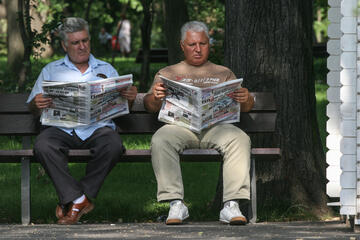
(199, 108)
(82, 103)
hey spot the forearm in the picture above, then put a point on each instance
(248, 105)
(152, 104)
(130, 103)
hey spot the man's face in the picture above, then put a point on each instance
(78, 47)
(195, 48)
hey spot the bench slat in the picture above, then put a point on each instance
(13, 103)
(136, 155)
(136, 123)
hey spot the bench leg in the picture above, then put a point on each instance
(252, 205)
(25, 191)
(25, 184)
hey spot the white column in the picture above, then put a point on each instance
(334, 139)
(349, 106)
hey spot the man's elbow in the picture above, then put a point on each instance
(147, 103)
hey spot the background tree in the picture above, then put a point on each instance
(146, 39)
(176, 15)
(15, 44)
(269, 44)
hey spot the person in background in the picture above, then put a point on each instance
(53, 143)
(104, 39)
(124, 36)
(170, 140)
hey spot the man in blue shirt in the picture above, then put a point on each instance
(52, 144)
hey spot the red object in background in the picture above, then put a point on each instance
(113, 43)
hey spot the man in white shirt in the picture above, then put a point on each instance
(53, 143)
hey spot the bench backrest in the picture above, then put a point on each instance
(15, 118)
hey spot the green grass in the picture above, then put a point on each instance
(129, 191)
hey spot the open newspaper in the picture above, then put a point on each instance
(81, 103)
(199, 108)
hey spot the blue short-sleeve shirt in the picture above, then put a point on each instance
(65, 70)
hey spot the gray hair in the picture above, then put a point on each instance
(71, 25)
(195, 26)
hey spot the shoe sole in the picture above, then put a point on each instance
(235, 221)
(175, 221)
(85, 211)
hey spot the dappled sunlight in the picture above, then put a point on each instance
(10, 143)
(154, 208)
(136, 142)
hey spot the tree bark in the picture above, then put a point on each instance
(146, 27)
(15, 44)
(87, 12)
(269, 44)
(24, 20)
(176, 15)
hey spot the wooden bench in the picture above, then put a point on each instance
(157, 55)
(16, 120)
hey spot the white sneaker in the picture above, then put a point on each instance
(232, 214)
(177, 213)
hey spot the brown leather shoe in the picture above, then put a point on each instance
(76, 211)
(60, 211)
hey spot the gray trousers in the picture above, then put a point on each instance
(51, 150)
(233, 144)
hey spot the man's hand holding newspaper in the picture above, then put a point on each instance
(198, 108)
(81, 103)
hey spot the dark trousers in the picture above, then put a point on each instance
(51, 150)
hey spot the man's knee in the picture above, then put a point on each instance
(41, 144)
(113, 143)
(162, 138)
(236, 135)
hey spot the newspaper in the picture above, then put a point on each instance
(199, 108)
(82, 103)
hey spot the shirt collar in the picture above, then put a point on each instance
(93, 62)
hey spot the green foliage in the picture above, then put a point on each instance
(320, 70)
(3, 27)
(122, 65)
(52, 8)
(213, 14)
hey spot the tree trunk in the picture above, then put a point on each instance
(269, 44)
(87, 12)
(176, 15)
(24, 20)
(145, 39)
(15, 44)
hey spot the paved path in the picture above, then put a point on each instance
(190, 230)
